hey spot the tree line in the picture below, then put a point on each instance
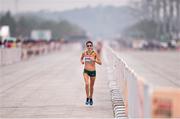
(23, 25)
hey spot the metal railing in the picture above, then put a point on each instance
(140, 98)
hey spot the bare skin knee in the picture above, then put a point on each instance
(92, 81)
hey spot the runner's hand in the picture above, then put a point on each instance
(82, 62)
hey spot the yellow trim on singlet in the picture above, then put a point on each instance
(93, 53)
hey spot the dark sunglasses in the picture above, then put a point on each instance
(89, 45)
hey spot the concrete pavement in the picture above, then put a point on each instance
(159, 68)
(51, 86)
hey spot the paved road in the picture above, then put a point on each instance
(157, 68)
(51, 86)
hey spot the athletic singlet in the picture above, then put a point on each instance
(88, 55)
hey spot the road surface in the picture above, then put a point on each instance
(159, 68)
(51, 86)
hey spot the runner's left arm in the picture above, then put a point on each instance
(97, 59)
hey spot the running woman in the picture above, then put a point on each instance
(89, 57)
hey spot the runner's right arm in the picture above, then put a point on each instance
(82, 57)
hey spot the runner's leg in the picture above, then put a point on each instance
(92, 80)
(86, 79)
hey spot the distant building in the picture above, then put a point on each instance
(41, 35)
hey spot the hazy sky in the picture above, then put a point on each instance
(54, 5)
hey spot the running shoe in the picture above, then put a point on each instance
(87, 101)
(91, 101)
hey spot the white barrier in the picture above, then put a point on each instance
(9, 56)
(13, 55)
(141, 99)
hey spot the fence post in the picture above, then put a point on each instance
(147, 104)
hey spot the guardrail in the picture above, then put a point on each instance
(13, 55)
(9, 56)
(141, 100)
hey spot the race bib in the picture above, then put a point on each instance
(87, 59)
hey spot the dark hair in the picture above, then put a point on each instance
(89, 42)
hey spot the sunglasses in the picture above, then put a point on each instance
(89, 45)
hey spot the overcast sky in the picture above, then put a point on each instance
(54, 5)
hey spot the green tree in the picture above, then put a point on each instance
(26, 24)
(61, 29)
(144, 28)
